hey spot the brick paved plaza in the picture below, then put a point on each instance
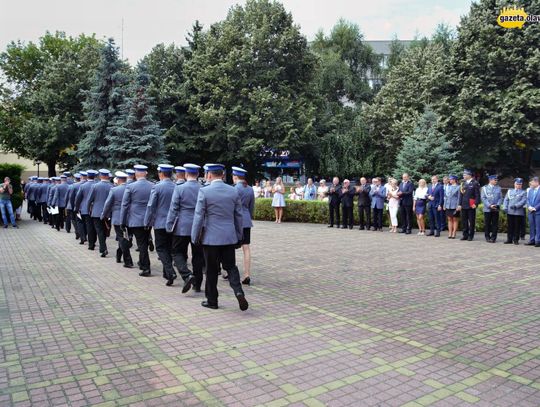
(337, 317)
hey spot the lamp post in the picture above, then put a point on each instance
(37, 162)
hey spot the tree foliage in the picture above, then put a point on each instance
(41, 104)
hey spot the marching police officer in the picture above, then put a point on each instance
(111, 210)
(131, 176)
(468, 198)
(132, 213)
(492, 198)
(248, 207)
(60, 201)
(219, 213)
(50, 193)
(31, 196)
(82, 206)
(514, 205)
(180, 174)
(96, 202)
(70, 216)
(80, 227)
(156, 217)
(42, 200)
(179, 223)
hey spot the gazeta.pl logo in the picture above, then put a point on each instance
(514, 17)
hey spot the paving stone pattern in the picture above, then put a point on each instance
(336, 318)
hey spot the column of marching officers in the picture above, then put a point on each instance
(213, 220)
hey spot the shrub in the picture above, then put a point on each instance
(317, 212)
(14, 172)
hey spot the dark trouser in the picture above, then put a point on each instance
(334, 214)
(123, 246)
(99, 227)
(163, 242)
(514, 227)
(90, 231)
(142, 235)
(364, 215)
(406, 217)
(522, 227)
(347, 216)
(468, 222)
(80, 227)
(377, 218)
(44, 212)
(491, 224)
(30, 209)
(180, 255)
(436, 219)
(214, 256)
(37, 212)
(67, 221)
(60, 218)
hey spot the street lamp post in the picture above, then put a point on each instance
(37, 162)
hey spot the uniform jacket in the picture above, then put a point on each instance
(467, 192)
(98, 196)
(515, 201)
(248, 203)
(134, 203)
(159, 204)
(219, 212)
(113, 204)
(407, 190)
(50, 194)
(74, 189)
(60, 195)
(83, 196)
(363, 196)
(451, 197)
(491, 195)
(31, 191)
(437, 191)
(347, 197)
(334, 197)
(42, 193)
(182, 208)
(378, 195)
(534, 201)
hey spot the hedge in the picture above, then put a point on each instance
(317, 212)
(14, 172)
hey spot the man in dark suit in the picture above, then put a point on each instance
(346, 196)
(435, 207)
(468, 198)
(405, 193)
(334, 193)
(364, 204)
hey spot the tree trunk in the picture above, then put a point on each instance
(52, 168)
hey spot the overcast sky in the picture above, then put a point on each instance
(149, 22)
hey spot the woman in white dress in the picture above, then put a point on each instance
(278, 202)
(393, 204)
(322, 191)
(257, 190)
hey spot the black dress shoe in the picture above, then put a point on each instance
(246, 281)
(225, 276)
(529, 244)
(104, 254)
(76, 237)
(187, 284)
(507, 242)
(470, 239)
(330, 226)
(344, 227)
(537, 245)
(438, 234)
(408, 232)
(91, 248)
(129, 265)
(242, 302)
(206, 304)
(81, 242)
(401, 231)
(463, 238)
(492, 240)
(488, 239)
(145, 273)
(430, 234)
(361, 228)
(516, 242)
(170, 281)
(197, 288)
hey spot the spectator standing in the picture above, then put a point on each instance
(6, 190)
(514, 205)
(451, 201)
(419, 205)
(322, 191)
(364, 204)
(268, 189)
(334, 202)
(406, 190)
(346, 197)
(278, 202)
(299, 189)
(378, 195)
(310, 191)
(257, 190)
(393, 204)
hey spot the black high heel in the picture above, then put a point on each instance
(246, 281)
